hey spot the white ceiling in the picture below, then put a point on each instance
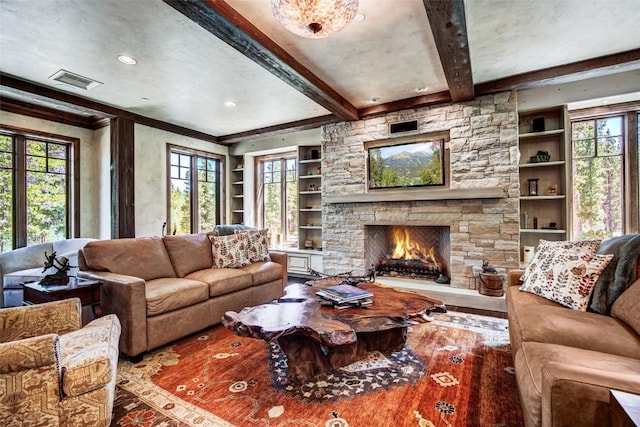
(185, 74)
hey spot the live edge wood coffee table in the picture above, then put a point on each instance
(318, 339)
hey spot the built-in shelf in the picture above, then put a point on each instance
(541, 231)
(310, 176)
(238, 196)
(418, 194)
(539, 134)
(237, 170)
(556, 197)
(311, 210)
(238, 183)
(311, 227)
(542, 164)
(309, 161)
(310, 192)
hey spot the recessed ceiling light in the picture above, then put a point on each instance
(229, 104)
(375, 99)
(422, 89)
(360, 17)
(127, 60)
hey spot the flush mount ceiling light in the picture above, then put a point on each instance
(229, 104)
(314, 19)
(126, 59)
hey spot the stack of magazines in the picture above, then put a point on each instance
(344, 296)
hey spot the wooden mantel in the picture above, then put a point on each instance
(407, 195)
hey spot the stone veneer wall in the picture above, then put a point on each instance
(483, 153)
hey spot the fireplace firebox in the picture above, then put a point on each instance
(416, 252)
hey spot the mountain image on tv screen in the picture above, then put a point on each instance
(407, 165)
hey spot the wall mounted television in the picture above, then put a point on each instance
(413, 164)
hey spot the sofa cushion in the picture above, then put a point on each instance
(230, 251)
(143, 257)
(169, 294)
(258, 248)
(626, 307)
(89, 356)
(222, 281)
(566, 276)
(535, 319)
(264, 272)
(228, 229)
(189, 252)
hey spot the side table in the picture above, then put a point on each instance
(88, 291)
(625, 409)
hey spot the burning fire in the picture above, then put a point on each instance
(405, 248)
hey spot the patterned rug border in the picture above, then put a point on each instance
(159, 399)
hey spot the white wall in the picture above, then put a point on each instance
(583, 90)
(262, 146)
(150, 160)
(92, 170)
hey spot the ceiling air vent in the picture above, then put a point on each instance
(75, 80)
(403, 126)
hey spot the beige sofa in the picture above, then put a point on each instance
(567, 361)
(25, 265)
(164, 288)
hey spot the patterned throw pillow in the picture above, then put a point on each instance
(545, 246)
(229, 251)
(566, 276)
(258, 247)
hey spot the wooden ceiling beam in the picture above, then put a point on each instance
(46, 113)
(449, 28)
(546, 76)
(224, 22)
(281, 129)
(404, 104)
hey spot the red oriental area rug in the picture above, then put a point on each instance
(454, 371)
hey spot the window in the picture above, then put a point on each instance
(37, 171)
(278, 198)
(195, 200)
(598, 177)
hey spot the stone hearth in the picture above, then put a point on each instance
(482, 153)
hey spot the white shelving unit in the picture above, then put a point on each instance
(237, 189)
(550, 203)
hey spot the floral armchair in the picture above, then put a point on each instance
(53, 371)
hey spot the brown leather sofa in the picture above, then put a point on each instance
(164, 288)
(566, 361)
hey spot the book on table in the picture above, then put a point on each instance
(344, 293)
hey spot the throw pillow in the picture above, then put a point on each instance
(545, 246)
(229, 251)
(566, 276)
(602, 297)
(258, 247)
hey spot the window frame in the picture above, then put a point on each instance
(630, 112)
(283, 157)
(221, 184)
(19, 137)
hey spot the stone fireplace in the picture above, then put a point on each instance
(416, 252)
(478, 206)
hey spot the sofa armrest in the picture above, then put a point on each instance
(577, 395)
(124, 296)
(514, 277)
(281, 258)
(90, 356)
